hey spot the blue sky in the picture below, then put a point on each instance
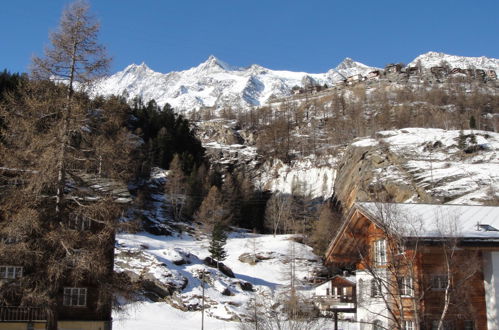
(310, 36)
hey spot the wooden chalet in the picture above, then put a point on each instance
(336, 294)
(418, 265)
(413, 70)
(479, 73)
(354, 79)
(81, 305)
(393, 68)
(374, 75)
(491, 74)
(439, 71)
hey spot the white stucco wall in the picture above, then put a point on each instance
(321, 290)
(369, 309)
(491, 284)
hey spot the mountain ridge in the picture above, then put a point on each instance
(215, 83)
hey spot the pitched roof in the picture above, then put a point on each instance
(435, 220)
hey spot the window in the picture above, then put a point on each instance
(8, 240)
(375, 289)
(75, 297)
(469, 325)
(10, 272)
(380, 252)
(80, 222)
(405, 286)
(361, 289)
(447, 325)
(378, 325)
(439, 282)
(408, 325)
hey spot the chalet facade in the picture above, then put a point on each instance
(491, 74)
(336, 295)
(81, 301)
(419, 266)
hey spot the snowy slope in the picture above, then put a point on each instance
(160, 255)
(432, 59)
(215, 83)
(431, 159)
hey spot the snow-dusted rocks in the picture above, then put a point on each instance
(421, 165)
(310, 176)
(157, 259)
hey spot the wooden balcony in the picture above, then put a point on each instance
(22, 314)
(329, 303)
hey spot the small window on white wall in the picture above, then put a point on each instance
(380, 252)
(378, 325)
(375, 289)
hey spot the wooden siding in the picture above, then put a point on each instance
(427, 259)
(468, 302)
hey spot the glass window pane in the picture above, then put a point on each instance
(74, 296)
(10, 272)
(19, 272)
(67, 297)
(82, 301)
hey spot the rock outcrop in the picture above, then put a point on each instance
(421, 166)
(369, 171)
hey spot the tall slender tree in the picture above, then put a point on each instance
(57, 148)
(176, 188)
(74, 56)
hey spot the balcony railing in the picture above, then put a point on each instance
(17, 314)
(339, 302)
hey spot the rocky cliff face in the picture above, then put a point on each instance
(370, 172)
(407, 165)
(420, 166)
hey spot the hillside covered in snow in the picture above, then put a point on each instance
(260, 266)
(407, 165)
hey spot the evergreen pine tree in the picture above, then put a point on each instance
(217, 244)
(472, 122)
(461, 144)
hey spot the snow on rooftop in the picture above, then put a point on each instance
(436, 220)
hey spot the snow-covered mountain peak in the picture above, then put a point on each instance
(137, 68)
(346, 64)
(432, 59)
(347, 68)
(214, 64)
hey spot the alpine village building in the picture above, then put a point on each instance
(80, 304)
(420, 266)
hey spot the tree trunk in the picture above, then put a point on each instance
(52, 317)
(63, 135)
